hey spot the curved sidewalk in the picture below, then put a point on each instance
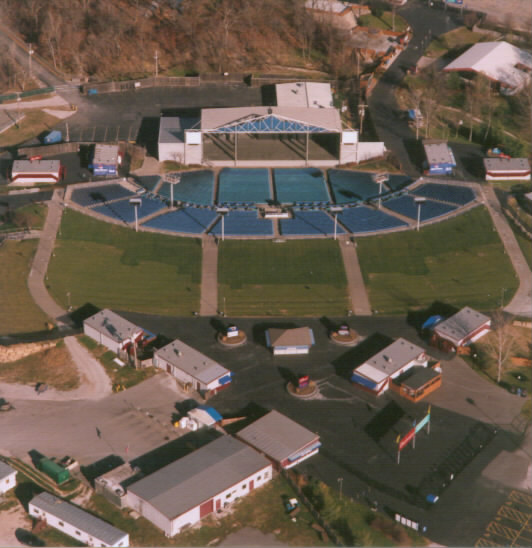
(521, 303)
(39, 267)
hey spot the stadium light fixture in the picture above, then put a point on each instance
(419, 201)
(136, 202)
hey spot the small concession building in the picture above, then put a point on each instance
(30, 172)
(191, 368)
(290, 341)
(205, 481)
(105, 160)
(111, 330)
(281, 439)
(374, 375)
(507, 169)
(440, 158)
(75, 522)
(460, 330)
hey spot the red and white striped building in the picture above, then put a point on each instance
(30, 172)
(507, 169)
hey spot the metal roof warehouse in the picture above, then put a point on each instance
(76, 522)
(280, 438)
(202, 482)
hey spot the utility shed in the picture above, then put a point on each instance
(75, 522)
(105, 160)
(281, 439)
(290, 341)
(206, 480)
(192, 368)
(507, 169)
(375, 374)
(461, 329)
(8, 477)
(111, 330)
(440, 158)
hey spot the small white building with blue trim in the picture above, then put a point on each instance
(440, 158)
(191, 368)
(8, 477)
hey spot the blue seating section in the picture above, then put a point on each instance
(365, 219)
(196, 187)
(350, 186)
(149, 182)
(90, 196)
(243, 223)
(460, 195)
(309, 223)
(243, 185)
(397, 182)
(124, 211)
(189, 220)
(405, 205)
(300, 185)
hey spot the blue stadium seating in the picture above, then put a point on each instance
(406, 205)
(397, 182)
(244, 185)
(365, 219)
(243, 223)
(300, 185)
(460, 195)
(195, 187)
(90, 196)
(149, 182)
(349, 186)
(309, 223)
(190, 220)
(124, 211)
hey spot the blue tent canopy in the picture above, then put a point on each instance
(431, 322)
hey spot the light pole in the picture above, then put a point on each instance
(223, 211)
(68, 297)
(381, 178)
(172, 183)
(156, 63)
(336, 210)
(136, 202)
(419, 201)
(340, 482)
(30, 53)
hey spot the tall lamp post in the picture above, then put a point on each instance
(381, 178)
(419, 201)
(136, 202)
(223, 211)
(336, 210)
(30, 53)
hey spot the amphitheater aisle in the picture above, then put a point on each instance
(358, 296)
(209, 277)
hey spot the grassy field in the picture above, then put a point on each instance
(111, 266)
(18, 312)
(461, 261)
(33, 124)
(295, 278)
(53, 366)
(31, 216)
(384, 22)
(457, 38)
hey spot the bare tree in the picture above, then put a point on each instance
(500, 343)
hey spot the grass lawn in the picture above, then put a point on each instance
(125, 376)
(385, 22)
(460, 261)
(30, 216)
(18, 312)
(53, 366)
(111, 266)
(295, 278)
(457, 38)
(33, 124)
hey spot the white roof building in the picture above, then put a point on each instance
(304, 94)
(499, 61)
(204, 481)
(464, 327)
(111, 330)
(8, 477)
(374, 375)
(191, 367)
(171, 142)
(75, 522)
(508, 169)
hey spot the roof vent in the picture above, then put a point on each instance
(270, 111)
(388, 359)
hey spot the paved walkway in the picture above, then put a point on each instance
(209, 278)
(521, 304)
(355, 282)
(39, 267)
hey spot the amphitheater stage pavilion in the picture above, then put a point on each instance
(269, 136)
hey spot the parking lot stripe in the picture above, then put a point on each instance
(520, 497)
(502, 530)
(483, 541)
(513, 514)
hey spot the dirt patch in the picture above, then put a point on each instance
(53, 366)
(10, 521)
